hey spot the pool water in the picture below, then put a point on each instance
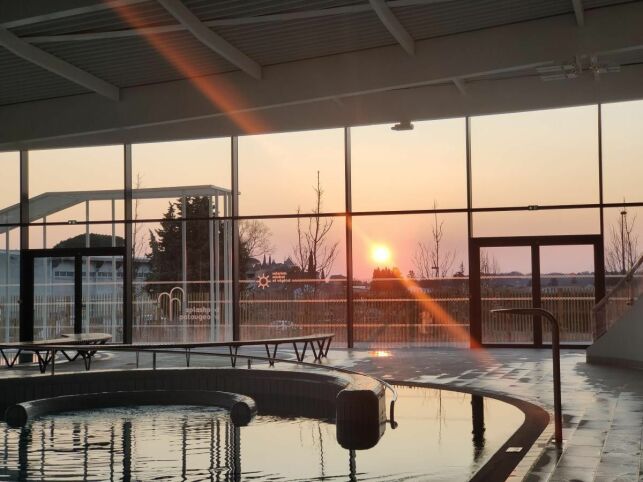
(442, 435)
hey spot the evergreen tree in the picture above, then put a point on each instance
(95, 241)
(165, 244)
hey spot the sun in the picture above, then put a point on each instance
(381, 254)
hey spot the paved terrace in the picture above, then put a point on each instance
(603, 406)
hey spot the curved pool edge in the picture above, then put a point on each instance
(241, 407)
(533, 434)
(357, 402)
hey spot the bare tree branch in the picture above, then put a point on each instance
(429, 259)
(314, 252)
(623, 248)
(256, 237)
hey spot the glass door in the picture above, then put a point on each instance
(102, 295)
(568, 291)
(505, 282)
(73, 290)
(564, 275)
(54, 296)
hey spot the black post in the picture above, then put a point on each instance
(536, 295)
(477, 420)
(475, 295)
(128, 259)
(78, 294)
(599, 270)
(475, 306)
(26, 262)
(236, 328)
(349, 238)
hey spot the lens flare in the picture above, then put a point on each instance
(219, 92)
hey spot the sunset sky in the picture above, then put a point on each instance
(543, 157)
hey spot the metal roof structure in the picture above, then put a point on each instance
(107, 64)
(48, 203)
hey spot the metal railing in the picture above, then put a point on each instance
(618, 299)
(555, 348)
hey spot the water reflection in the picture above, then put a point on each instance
(477, 418)
(197, 443)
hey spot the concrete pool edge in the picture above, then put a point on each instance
(241, 407)
(534, 433)
(357, 402)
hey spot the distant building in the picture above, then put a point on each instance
(55, 276)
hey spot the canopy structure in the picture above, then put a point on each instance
(49, 203)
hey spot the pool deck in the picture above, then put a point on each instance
(602, 406)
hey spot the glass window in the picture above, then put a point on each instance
(623, 240)
(66, 184)
(535, 158)
(536, 223)
(10, 191)
(622, 151)
(163, 172)
(282, 173)
(411, 280)
(9, 283)
(412, 169)
(293, 281)
(48, 236)
(505, 282)
(568, 289)
(181, 279)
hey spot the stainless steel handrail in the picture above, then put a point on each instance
(555, 347)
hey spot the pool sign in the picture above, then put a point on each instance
(263, 281)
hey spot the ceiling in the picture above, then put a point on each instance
(63, 55)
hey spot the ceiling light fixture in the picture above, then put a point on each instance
(403, 126)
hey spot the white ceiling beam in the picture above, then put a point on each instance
(71, 12)
(57, 66)
(470, 56)
(210, 39)
(460, 85)
(223, 22)
(579, 12)
(438, 102)
(393, 25)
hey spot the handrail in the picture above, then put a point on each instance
(555, 347)
(626, 277)
(177, 347)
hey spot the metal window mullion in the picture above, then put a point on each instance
(475, 308)
(128, 291)
(26, 265)
(235, 238)
(349, 239)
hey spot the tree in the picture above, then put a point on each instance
(623, 247)
(254, 241)
(430, 259)
(166, 242)
(488, 267)
(314, 252)
(95, 241)
(488, 264)
(387, 280)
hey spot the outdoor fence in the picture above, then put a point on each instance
(384, 319)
